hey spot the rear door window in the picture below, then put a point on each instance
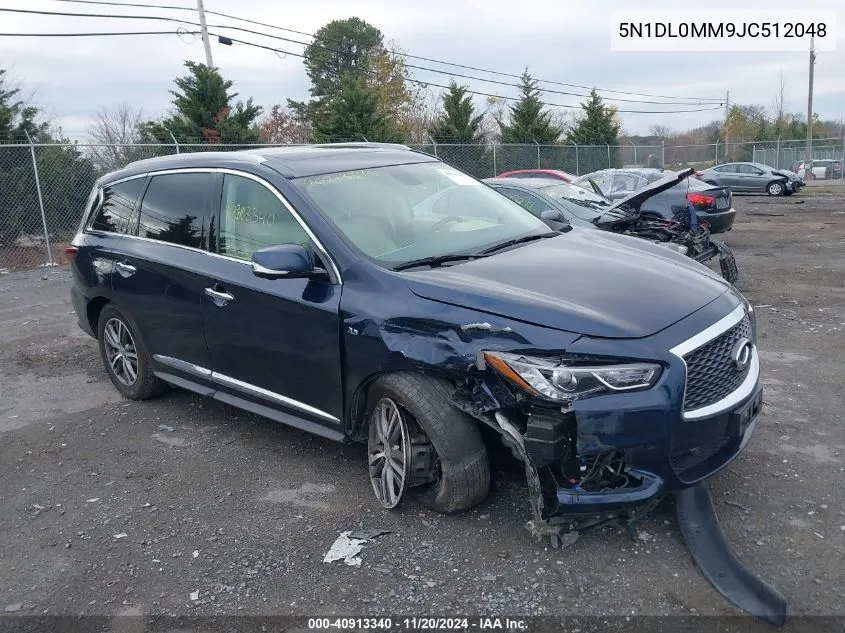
(114, 215)
(176, 209)
(725, 169)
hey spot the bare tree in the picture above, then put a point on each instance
(660, 131)
(114, 134)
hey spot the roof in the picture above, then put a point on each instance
(293, 161)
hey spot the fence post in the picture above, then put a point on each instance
(40, 199)
(608, 156)
(635, 152)
(433, 143)
(717, 151)
(175, 142)
(663, 154)
(777, 155)
(538, 153)
(495, 171)
(843, 158)
(577, 169)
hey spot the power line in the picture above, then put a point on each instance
(476, 92)
(99, 34)
(407, 55)
(332, 50)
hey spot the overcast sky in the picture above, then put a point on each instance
(71, 78)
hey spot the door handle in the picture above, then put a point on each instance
(125, 270)
(219, 298)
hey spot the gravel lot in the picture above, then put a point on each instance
(113, 507)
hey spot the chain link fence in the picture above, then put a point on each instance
(44, 187)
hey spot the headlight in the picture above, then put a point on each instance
(563, 381)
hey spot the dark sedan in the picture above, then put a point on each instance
(559, 203)
(712, 203)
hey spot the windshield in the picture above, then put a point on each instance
(582, 203)
(402, 213)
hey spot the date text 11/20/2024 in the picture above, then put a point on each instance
(418, 623)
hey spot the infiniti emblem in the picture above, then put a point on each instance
(741, 354)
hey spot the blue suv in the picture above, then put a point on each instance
(371, 293)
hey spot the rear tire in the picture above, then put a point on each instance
(125, 356)
(775, 188)
(459, 462)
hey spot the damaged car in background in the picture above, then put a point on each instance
(373, 294)
(685, 232)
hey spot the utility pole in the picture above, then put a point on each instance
(727, 116)
(205, 40)
(808, 154)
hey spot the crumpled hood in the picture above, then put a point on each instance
(636, 199)
(585, 281)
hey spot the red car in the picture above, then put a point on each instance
(553, 174)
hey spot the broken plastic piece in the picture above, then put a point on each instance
(720, 565)
(347, 546)
(368, 533)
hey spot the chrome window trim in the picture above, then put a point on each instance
(733, 398)
(228, 381)
(333, 270)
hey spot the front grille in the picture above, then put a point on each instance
(711, 373)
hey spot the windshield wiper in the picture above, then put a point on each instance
(437, 260)
(518, 240)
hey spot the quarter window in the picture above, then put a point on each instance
(175, 209)
(115, 213)
(252, 218)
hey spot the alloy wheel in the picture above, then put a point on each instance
(389, 452)
(121, 353)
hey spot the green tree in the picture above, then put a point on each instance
(527, 121)
(597, 126)
(340, 48)
(458, 122)
(353, 115)
(203, 111)
(16, 119)
(66, 178)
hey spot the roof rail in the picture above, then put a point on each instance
(365, 144)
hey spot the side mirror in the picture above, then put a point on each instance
(552, 214)
(286, 261)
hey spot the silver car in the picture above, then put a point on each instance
(752, 178)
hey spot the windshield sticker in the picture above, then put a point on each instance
(458, 178)
(314, 181)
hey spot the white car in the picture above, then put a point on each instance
(820, 168)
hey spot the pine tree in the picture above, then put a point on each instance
(598, 126)
(458, 123)
(527, 121)
(353, 115)
(204, 111)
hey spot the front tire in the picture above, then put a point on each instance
(447, 468)
(775, 189)
(125, 356)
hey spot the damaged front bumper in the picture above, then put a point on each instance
(615, 456)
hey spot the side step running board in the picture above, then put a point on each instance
(720, 565)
